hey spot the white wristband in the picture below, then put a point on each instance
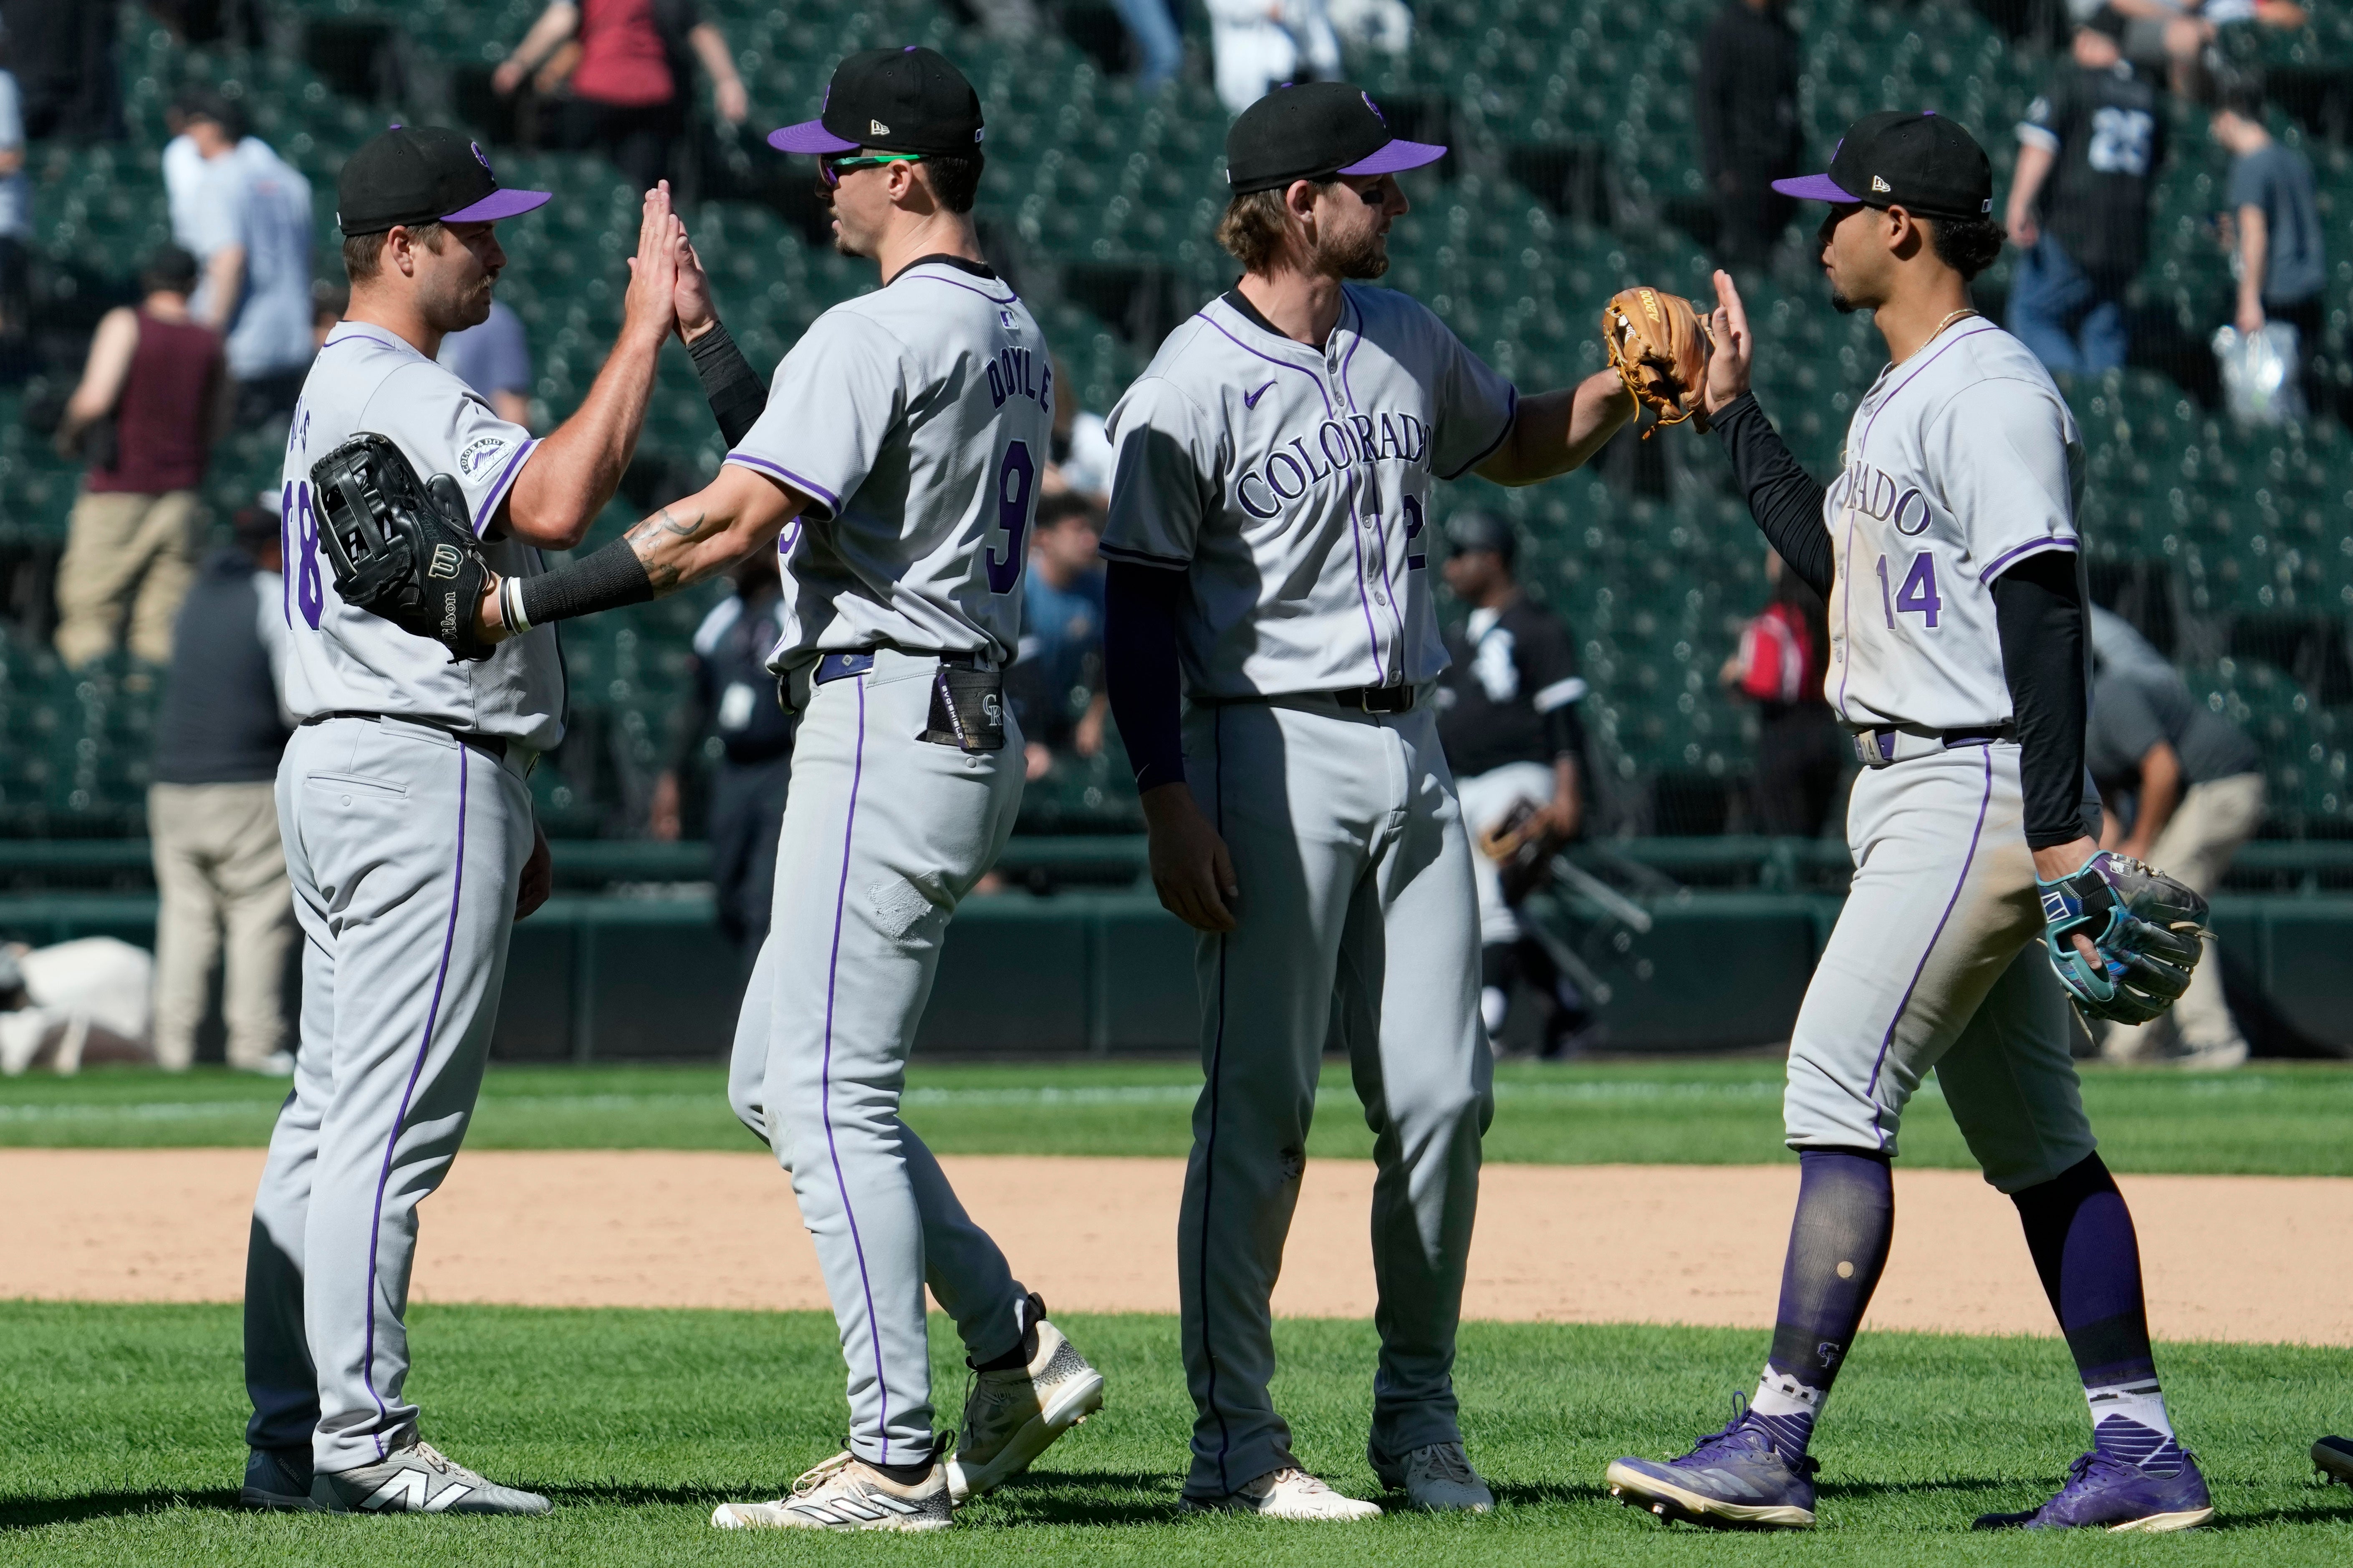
(511, 606)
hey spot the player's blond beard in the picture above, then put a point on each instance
(1367, 254)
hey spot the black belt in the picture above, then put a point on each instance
(496, 745)
(1883, 739)
(1372, 699)
(841, 666)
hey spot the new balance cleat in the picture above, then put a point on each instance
(2118, 1495)
(1012, 1416)
(418, 1480)
(1731, 1479)
(847, 1493)
(1438, 1476)
(1287, 1493)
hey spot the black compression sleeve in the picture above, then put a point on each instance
(1782, 496)
(737, 399)
(603, 580)
(1140, 669)
(2039, 611)
(1565, 731)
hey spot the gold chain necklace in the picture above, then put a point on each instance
(1964, 310)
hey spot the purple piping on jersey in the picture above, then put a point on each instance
(1510, 420)
(1897, 389)
(415, 1071)
(1209, 1144)
(371, 338)
(1870, 1090)
(2003, 563)
(1388, 575)
(1286, 365)
(825, 1071)
(1846, 611)
(499, 486)
(832, 501)
(1010, 297)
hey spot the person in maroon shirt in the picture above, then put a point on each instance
(154, 397)
(628, 75)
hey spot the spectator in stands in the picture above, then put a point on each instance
(630, 78)
(1056, 683)
(494, 359)
(1080, 461)
(2088, 152)
(328, 303)
(64, 60)
(212, 812)
(748, 739)
(1372, 27)
(245, 214)
(2177, 37)
(16, 215)
(2271, 225)
(1507, 716)
(2183, 789)
(155, 395)
(1159, 47)
(1751, 134)
(1259, 44)
(1800, 753)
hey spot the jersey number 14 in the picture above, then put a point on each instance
(1917, 597)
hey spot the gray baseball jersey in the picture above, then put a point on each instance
(1292, 482)
(917, 420)
(1960, 462)
(344, 660)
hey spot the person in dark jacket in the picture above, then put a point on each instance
(1507, 717)
(748, 740)
(1749, 133)
(2088, 154)
(1801, 753)
(212, 810)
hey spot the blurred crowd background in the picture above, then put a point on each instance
(2175, 176)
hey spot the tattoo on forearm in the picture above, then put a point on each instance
(654, 537)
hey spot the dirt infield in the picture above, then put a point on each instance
(2255, 1258)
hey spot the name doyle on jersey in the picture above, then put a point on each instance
(1018, 372)
(1293, 469)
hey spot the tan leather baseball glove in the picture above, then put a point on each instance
(1659, 348)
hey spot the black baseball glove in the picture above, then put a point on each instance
(400, 549)
(2148, 929)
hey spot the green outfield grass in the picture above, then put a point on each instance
(120, 1443)
(2276, 1119)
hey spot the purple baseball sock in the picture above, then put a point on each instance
(1838, 1244)
(2081, 1235)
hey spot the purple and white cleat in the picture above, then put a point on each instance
(1733, 1480)
(2120, 1497)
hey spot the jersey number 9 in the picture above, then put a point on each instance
(1017, 490)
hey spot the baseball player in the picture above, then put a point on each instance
(897, 456)
(1507, 717)
(1947, 550)
(407, 821)
(1270, 562)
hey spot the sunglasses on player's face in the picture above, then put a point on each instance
(831, 168)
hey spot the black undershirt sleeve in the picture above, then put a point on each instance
(2039, 612)
(1566, 731)
(1141, 675)
(1782, 496)
(736, 392)
(603, 579)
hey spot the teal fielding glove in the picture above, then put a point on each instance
(2148, 927)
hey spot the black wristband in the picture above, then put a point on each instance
(736, 397)
(603, 580)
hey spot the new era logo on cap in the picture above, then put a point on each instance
(932, 107)
(1879, 184)
(876, 128)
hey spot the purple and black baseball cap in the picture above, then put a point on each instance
(908, 100)
(1311, 131)
(1921, 161)
(423, 174)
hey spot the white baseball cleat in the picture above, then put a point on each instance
(1014, 1416)
(1438, 1476)
(418, 1479)
(847, 1493)
(1287, 1493)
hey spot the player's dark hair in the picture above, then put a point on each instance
(1257, 225)
(169, 270)
(364, 253)
(1967, 244)
(955, 181)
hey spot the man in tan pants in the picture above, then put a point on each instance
(154, 394)
(212, 812)
(2193, 787)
